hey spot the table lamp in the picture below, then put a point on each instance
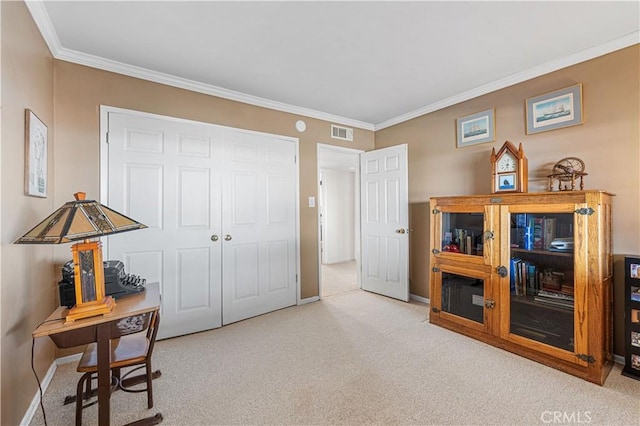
(81, 220)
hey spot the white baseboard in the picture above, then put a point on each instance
(308, 300)
(35, 403)
(44, 383)
(68, 359)
(419, 298)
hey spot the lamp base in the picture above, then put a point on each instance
(90, 309)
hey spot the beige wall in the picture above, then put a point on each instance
(27, 282)
(81, 90)
(608, 142)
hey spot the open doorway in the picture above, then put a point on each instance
(338, 219)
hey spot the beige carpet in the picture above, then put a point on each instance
(339, 278)
(354, 358)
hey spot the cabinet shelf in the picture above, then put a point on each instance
(529, 300)
(513, 311)
(542, 252)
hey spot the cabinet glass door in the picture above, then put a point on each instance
(541, 279)
(464, 233)
(462, 296)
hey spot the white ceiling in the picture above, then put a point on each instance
(365, 64)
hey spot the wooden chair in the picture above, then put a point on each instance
(130, 350)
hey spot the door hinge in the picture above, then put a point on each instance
(435, 310)
(107, 137)
(435, 211)
(435, 269)
(587, 358)
(585, 211)
(296, 278)
(435, 251)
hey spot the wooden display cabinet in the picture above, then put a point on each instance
(529, 273)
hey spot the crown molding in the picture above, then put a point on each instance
(208, 89)
(585, 55)
(44, 24)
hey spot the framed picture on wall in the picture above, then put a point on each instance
(476, 128)
(554, 110)
(35, 167)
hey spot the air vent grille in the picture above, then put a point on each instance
(343, 133)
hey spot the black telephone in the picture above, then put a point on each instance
(117, 283)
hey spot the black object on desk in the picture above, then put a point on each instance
(117, 283)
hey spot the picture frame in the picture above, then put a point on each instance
(554, 110)
(36, 153)
(506, 182)
(476, 128)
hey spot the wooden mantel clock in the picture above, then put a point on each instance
(508, 169)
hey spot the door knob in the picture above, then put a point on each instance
(400, 231)
(214, 238)
(227, 237)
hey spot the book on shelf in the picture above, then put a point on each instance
(513, 275)
(549, 231)
(544, 232)
(538, 233)
(635, 339)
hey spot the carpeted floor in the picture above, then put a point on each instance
(355, 358)
(339, 278)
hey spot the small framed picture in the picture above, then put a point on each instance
(506, 182)
(554, 110)
(476, 128)
(635, 361)
(35, 167)
(634, 271)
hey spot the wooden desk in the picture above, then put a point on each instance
(101, 329)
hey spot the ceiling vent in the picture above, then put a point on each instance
(343, 133)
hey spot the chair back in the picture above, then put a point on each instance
(152, 331)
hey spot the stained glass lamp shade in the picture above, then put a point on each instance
(81, 220)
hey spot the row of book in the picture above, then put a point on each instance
(546, 286)
(555, 298)
(524, 278)
(536, 232)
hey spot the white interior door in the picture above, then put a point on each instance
(384, 221)
(166, 174)
(259, 223)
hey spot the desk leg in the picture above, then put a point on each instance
(104, 373)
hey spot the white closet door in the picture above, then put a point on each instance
(188, 182)
(259, 225)
(384, 221)
(166, 174)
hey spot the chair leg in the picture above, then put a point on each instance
(87, 392)
(86, 377)
(115, 372)
(149, 384)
